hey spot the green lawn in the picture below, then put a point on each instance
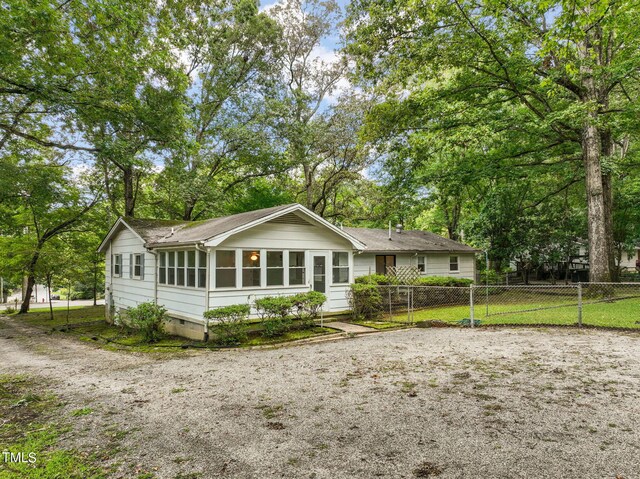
(624, 313)
(77, 314)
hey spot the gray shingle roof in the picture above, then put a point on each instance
(157, 233)
(164, 233)
(377, 240)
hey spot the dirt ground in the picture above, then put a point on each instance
(447, 403)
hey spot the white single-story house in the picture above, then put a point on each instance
(190, 267)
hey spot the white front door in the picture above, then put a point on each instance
(321, 274)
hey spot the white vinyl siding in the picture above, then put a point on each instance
(436, 264)
(128, 291)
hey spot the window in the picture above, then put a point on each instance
(191, 269)
(137, 266)
(225, 269)
(250, 268)
(162, 279)
(453, 263)
(296, 267)
(383, 262)
(182, 268)
(202, 269)
(422, 264)
(171, 268)
(275, 268)
(340, 267)
(117, 265)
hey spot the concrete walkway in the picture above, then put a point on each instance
(349, 328)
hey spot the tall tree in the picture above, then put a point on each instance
(229, 51)
(44, 202)
(307, 80)
(560, 76)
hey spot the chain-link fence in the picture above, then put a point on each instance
(615, 305)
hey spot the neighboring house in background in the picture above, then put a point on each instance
(190, 267)
(631, 262)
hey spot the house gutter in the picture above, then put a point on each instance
(206, 296)
(155, 274)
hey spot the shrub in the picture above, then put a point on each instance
(228, 323)
(276, 326)
(376, 279)
(365, 300)
(444, 281)
(149, 318)
(273, 307)
(307, 305)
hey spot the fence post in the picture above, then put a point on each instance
(579, 305)
(390, 315)
(471, 319)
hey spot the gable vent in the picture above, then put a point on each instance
(290, 219)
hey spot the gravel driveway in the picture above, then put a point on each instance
(448, 403)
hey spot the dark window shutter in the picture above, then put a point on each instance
(142, 266)
(130, 266)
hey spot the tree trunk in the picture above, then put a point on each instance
(31, 280)
(599, 265)
(129, 192)
(607, 192)
(308, 186)
(50, 301)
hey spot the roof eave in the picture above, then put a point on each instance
(218, 239)
(115, 229)
(430, 251)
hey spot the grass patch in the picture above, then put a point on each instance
(77, 314)
(85, 411)
(289, 336)
(617, 314)
(32, 427)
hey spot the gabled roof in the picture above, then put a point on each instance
(162, 233)
(377, 240)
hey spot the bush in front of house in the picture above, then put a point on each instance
(274, 307)
(228, 323)
(275, 312)
(376, 279)
(444, 281)
(365, 300)
(149, 318)
(308, 305)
